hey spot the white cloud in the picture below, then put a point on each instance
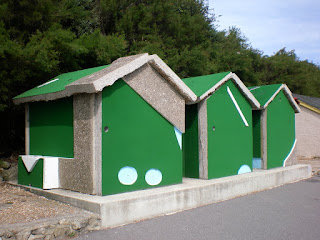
(272, 25)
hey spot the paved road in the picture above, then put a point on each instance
(288, 212)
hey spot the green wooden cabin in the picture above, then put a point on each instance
(106, 130)
(218, 137)
(274, 126)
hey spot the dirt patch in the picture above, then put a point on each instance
(18, 206)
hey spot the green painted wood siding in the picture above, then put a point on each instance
(33, 178)
(230, 145)
(190, 143)
(51, 128)
(281, 130)
(137, 136)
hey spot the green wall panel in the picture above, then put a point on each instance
(280, 130)
(34, 178)
(256, 130)
(135, 135)
(230, 145)
(190, 143)
(51, 128)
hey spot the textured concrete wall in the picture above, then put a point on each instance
(155, 90)
(97, 148)
(308, 133)
(83, 173)
(27, 129)
(203, 139)
(106, 77)
(264, 137)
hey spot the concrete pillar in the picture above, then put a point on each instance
(83, 173)
(264, 139)
(27, 129)
(203, 139)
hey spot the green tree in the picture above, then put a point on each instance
(302, 77)
(234, 53)
(40, 39)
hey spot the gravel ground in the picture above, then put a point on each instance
(18, 206)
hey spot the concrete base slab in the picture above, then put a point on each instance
(120, 209)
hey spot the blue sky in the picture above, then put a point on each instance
(270, 25)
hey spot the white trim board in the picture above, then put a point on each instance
(44, 84)
(237, 107)
(50, 169)
(50, 172)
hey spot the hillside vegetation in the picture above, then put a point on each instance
(40, 39)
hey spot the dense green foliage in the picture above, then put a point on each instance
(40, 39)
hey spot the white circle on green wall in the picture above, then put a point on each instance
(153, 177)
(244, 169)
(127, 175)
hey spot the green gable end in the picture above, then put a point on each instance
(264, 93)
(199, 85)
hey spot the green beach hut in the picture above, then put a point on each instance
(274, 126)
(106, 130)
(218, 137)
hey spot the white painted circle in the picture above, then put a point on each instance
(153, 177)
(127, 175)
(244, 169)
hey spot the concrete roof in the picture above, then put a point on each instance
(97, 80)
(204, 86)
(266, 93)
(312, 101)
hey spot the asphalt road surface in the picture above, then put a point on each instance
(288, 212)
